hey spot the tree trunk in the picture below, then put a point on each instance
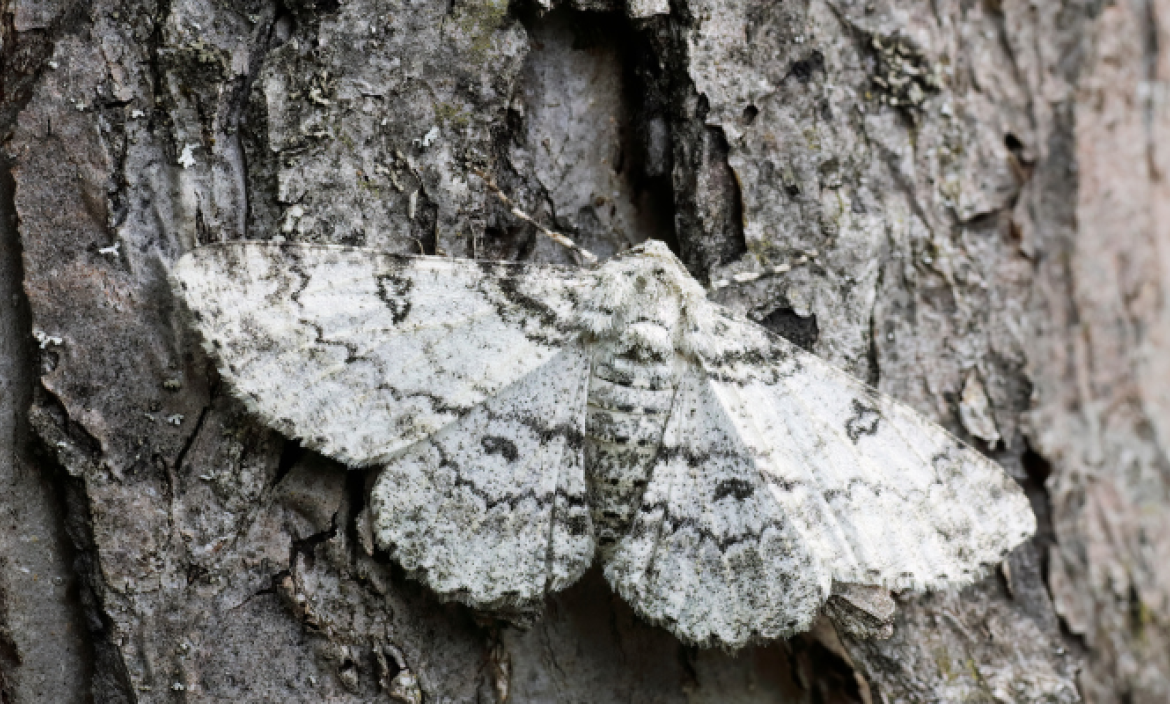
(971, 196)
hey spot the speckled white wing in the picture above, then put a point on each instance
(711, 555)
(360, 353)
(491, 511)
(879, 494)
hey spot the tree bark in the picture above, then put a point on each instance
(970, 195)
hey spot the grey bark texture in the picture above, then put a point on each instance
(972, 195)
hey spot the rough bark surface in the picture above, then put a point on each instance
(972, 195)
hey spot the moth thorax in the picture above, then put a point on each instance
(636, 301)
(646, 328)
(645, 340)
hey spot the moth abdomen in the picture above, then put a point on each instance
(623, 430)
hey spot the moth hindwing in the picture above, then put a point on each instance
(528, 420)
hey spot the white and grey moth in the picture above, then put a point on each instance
(530, 419)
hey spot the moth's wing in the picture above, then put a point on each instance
(360, 353)
(711, 555)
(491, 510)
(881, 495)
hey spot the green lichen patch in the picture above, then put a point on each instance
(903, 77)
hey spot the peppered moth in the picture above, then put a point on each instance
(530, 419)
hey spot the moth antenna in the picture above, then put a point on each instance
(557, 237)
(745, 277)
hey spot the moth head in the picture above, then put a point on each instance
(645, 285)
(649, 270)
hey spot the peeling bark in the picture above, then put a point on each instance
(971, 197)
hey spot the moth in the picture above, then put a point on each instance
(528, 420)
